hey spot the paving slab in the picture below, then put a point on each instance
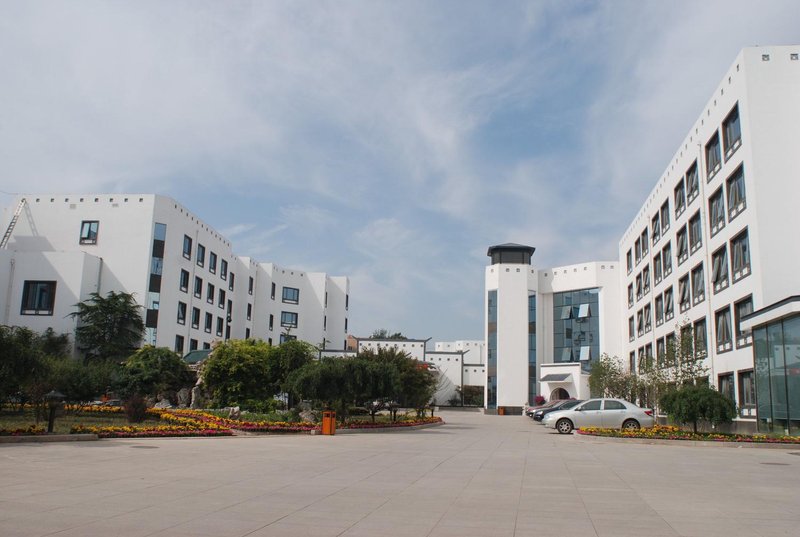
(503, 476)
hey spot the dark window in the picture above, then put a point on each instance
(250, 286)
(631, 329)
(210, 293)
(726, 386)
(698, 284)
(723, 324)
(684, 293)
(89, 231)
(665, 216)
(614, 405)
(731, 132)
(655, 227)
(209, 322)
(249, 311)
(742, 308)
(700, 338)
(716, 211)
(683, 245)
(346, 301)
(221, 298)
(666, 259)
(201, 255)
(247, 333)
(192, 344)
(289, 319)
(38, 298)
(181, 313)
(680, 198)
(272, 293)
(187, 247)
(658, 272)
(713, 158)
(695, 233)
(195, 317)
(737, 201)
(692, 183)
(291, 295)
(198, 287)
(669, 307)
(179, 344)
(271, 321)
(719, 269)
(747, 389)
(212, 263)
(287, 337)
(184, 283)
(232, 282)
(629, 261)
(223, 269)
(592, 405)
(220, 325)
(740, 256)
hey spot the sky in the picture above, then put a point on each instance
(391, 142)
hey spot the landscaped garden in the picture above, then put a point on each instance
(671, 432)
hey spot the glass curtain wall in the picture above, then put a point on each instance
(576, 327)
(491, 351)
(154, 284)
(777, 365)
(531, 349)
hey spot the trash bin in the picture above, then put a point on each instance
(501, 411)
(329, 422)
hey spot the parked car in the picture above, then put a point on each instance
(531, 409)
(564, 404)
(611, 413)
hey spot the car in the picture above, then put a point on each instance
(564, 404)
(610, 413)
(531, 409)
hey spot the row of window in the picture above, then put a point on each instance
(193, 343)
(688, 188)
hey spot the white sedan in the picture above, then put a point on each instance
(609, 413)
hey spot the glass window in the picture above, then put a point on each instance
(223, 269)
(680, 198)
(740, 255)
(732, 132)
(661, 352)
(629, 260)
(181, 313)
(640, 322)
(658, 273)
(695, 232)
(684, 295)
(665, 216)
(700, 345)
(209, 322)
(669, 308)
(659, 310)
(630, 295)
(656, 227)
(645, 243)
(210, 293)
(639, 290)
(192, 344)
(742, 308)
(271, 321)
(713, 158)
(566, 312)
(249, 311)
(272, 293)
(586, 353)
(195, 317)
(592, 405)
(719, 269)
(231, 281)
(38, 297)
(614, 405)
(723, 323)
(692, 183)
(201, 255)
(631, 329)
(726, 386)
(184, 283)
(716, 211)
(698, 284)
(584, 311)
(212, 263)
(250, 284)
(89, 231)
(737, 201)
(637, 248)
(198, 287)
(648, 318)
(221, 298)
(287, 337)
(289, 319)
(666, 259)
(187, 247)
(291, 295)
(747, 389)
(646, 278)
(179, 344)
(220, 325)
(683, 246)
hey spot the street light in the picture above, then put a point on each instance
(54, 400)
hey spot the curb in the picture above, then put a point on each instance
(688, 443)
(41, 438)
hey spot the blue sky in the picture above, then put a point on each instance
(391, 142)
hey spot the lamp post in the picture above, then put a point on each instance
(54, 400)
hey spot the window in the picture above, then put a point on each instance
(223, 269)
(692, 183)
(220, 325)
(698, 285)
(184, 283)
(716, 211)
(584, 311)
(291, 295)
(179, 344)
(680, 198)
(221, 298)
(192, 344)
(289, 319)
(737, 201)
(645, 244)
(585, 356)
(666, 259)
(669, 307)
(640, 322)
(250, 283)
(658, 272)
(648, 318)
(661, 352)
(209, 322)
(272, 293)
(684, 295)
(631, 329)
(195, 317)
(669, 343)
(723, 323)
(683, 247)
(713, 160)
(726, 386)
(646, 279)
(637, 247)
(187, 247)
(287, 337)
(614, 405)
(731, 132)
(700, 345)
(639, 289)
(212, 263)
(655, 226)
(89, 231)
(249, 311)
(198, 287)
(659, 310)
(566, 312)
(181, 313)
(632, 361)
(201, 255)
(247, 333)
(747, 389)
(271, 321)
(719, 269)
(210, 293)
(744, 338)
(38, 298)
(740, 255)
(695, 233)
(347, 302)
(232, 282)
(630, 295)
(629, 261)
(665, 216)
(592, 405)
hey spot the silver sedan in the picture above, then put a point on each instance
(610, 413)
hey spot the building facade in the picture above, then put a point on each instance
(711, 243)
(193, 289)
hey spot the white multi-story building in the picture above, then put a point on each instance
(545, 327)
(713, 240)
(194, 290)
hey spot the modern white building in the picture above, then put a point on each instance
(714, 239)
(194, 290)
(545, 327)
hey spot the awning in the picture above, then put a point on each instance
(557, 377)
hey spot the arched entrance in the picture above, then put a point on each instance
(558, 394)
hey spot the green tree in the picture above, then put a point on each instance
(109, 327)
(81, 382)
(383, 333)
(416, 383)
(685, 358)
(608, 379)
(154, 370)
(325, 381)
(692, 404)
(237, 371)
(285, 358)
(373, 382)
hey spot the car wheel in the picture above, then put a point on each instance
(564, 426)
(630, 425)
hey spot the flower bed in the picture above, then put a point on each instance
(24, 431)
(403, 423)
(176, 425)
(670, 432)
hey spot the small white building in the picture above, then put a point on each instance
(194, 290)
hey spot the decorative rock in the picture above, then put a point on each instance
(164, 403)
(234, 413)
(184, 398)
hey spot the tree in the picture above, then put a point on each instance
(109, 327)
(153, 370)
(382, 333)
(691, 404)
(325, 381)
(22, 360)
(237, 371)
(285, 358)
(684, 360)
(607, 379)
(373, 382)
(416, 383)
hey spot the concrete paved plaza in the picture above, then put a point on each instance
(477, 476)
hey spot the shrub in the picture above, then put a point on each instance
(261, 406)
(692, 404)
(136, 409)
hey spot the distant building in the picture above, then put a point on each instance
(194, 290)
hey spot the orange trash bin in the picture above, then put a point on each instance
(501, 411)
(329, 422)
